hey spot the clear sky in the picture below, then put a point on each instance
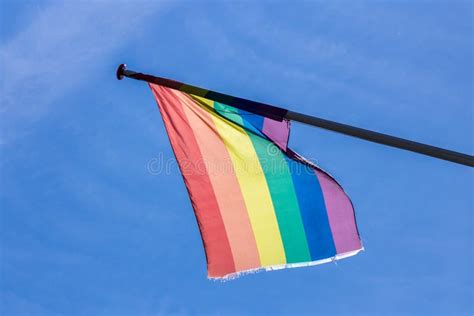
(88, 227)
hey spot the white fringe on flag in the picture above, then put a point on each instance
(235, 275)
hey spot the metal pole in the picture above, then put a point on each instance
(279, 114)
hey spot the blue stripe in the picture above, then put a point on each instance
(313, 210)
(306, 185)
(252, 122)
(251, 119)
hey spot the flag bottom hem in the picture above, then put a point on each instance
(335, 258)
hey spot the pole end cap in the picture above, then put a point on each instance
(121, 71)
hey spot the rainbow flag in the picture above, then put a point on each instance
(258, 204)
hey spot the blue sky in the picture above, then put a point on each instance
(88, 229)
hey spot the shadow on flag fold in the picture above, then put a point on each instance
(258, 204)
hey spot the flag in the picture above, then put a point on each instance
(258, 204)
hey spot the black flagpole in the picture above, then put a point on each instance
(280, 114)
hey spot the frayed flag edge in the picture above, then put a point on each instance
(235, 275)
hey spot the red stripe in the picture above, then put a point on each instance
(218, 252)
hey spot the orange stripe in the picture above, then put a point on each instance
(226, 187)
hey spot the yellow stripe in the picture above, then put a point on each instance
(254, 188)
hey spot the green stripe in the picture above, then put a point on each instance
(282, 191)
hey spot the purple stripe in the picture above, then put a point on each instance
(341, 215)
(278, 132)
